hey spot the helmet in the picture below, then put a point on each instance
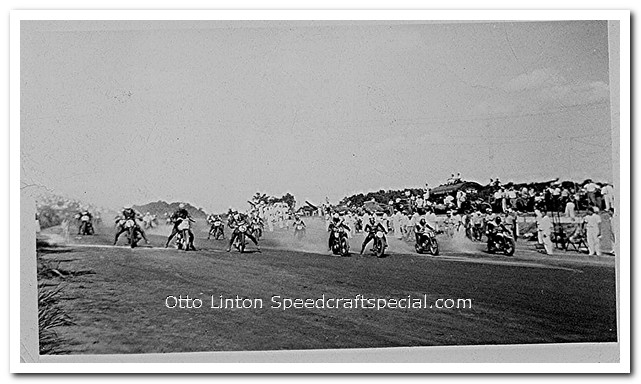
(498, 220)
(181, 205)
(335, 216)
(126, 207)
(422, 221)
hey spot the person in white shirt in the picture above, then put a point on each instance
(544, 228)
(511, 195)
(593, 231)
(569, 209)
(608, 196)
(398, 222)
(591, 189)
(432, 219)
(448, 201)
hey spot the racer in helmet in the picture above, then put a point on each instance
(176, 218)
(335, 224)
(298, 223)
(493, 226)
(238, 221)
(128, 213)
(79, 217)
(212, 219)
(371, 228)
(421, 228)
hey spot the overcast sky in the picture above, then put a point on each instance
(209, 112)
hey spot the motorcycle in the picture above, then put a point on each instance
(240, 243)
(86, 228)
(133, 234)
(216, 230)
(257, 230)
(502, 241)
(340, 245)
(427, 242)
(183, 235)
(379, 244)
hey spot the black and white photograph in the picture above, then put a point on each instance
(320, 186)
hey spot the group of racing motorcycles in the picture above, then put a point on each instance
(375, 231)
(500, 235)
(243, 228)
(251, 227)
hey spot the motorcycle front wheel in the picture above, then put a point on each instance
(132, 237)
(379, 250)
(241, 245)
(344, 247)
(509, 247)
(434, 247)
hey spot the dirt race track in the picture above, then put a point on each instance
(528, 298)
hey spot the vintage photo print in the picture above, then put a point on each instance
(321, 190)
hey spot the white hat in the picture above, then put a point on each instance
(181, 205)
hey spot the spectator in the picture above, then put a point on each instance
(498, 200)
(511, 195)
(591, 189)
(565, 196)
(576, 196)
(531, 199)
(608, 196)
(419, 202)
(448, 201)
(544, 229)
(547, 198)
(592, 222)
(510, 222)
(460, 198)
(431, 218)
(570, 209)
(426, 194)
(556, 198)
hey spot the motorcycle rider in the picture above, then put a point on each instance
(297, 223)
(420, 228)
(236, 221)
(335, 224)
(257, 222)
(214, 219)
(176, 218)
(232, 219)
(128, 213)
(371, 228)
(494, 226)
(79, 216)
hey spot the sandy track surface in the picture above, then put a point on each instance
(528, 298)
